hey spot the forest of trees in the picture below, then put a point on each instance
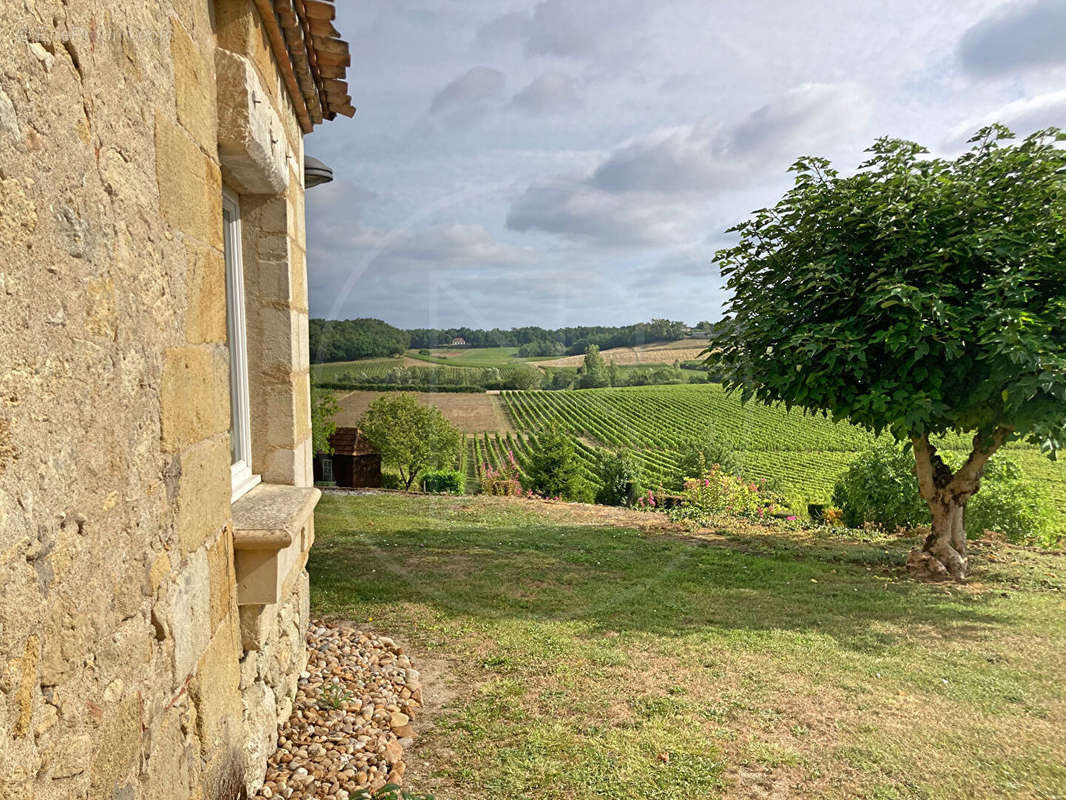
(351, 339)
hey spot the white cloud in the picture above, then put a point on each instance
(1021, 116)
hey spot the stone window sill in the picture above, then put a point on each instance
(270, 536)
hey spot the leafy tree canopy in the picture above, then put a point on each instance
(919, 295)
(410, 436)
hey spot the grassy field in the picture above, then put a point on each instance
(470, 413)
(577, 652)
(471, 357)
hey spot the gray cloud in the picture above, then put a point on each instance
(647, 192)
(551, 93)
(1016, 36)
(452, 246)
(582, 212)
(569, 29)
(470, 96)
(705, 157)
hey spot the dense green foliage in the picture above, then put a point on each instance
(618, 478)
(324, 409)
(905, 296)
(699, 454)
(1013, 506)
(879, 487)
(594, 374)
(409, 436)
(552, 468)
(444, 481)
(541, 348)
(350, 339)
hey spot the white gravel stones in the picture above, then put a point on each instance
(354, 705)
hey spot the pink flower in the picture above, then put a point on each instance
(793, 518)
(762, 511)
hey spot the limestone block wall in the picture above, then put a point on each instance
(127, 668)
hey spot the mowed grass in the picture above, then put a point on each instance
(471, 357)
(594, 653)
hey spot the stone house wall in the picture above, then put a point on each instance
(151, 631)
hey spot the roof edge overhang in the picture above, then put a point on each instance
(312, 56)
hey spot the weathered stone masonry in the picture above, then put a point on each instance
(151, 631)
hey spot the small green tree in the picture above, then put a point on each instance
(700, 454)
(923, 296)
(410, 436)
(595, 374)
(552, 468)
(614, 376)
(619, 478)
(324, 410)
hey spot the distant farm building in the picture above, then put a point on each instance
(354, 463)
(458, 341)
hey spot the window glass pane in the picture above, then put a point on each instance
(232, 336)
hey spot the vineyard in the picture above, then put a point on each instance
(803, 455)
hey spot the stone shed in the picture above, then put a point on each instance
(156, 490)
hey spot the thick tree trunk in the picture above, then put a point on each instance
(943, 554)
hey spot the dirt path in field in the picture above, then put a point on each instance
(470, 413)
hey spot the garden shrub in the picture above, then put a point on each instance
(618, 476)
(390, 480)
(880, 487)
(699, 455)
(1012, 506)
(718, 492)
(502, 482)
(444, 481)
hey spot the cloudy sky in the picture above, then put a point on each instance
(568, 162)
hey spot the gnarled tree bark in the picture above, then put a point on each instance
(943, 554)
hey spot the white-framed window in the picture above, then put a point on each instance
(240, 418)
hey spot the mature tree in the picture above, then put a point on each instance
(410, 436)
(595, 375)
(923, 296)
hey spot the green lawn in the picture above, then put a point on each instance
(472, 357)
(591, 659)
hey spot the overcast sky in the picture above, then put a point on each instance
(569, 162)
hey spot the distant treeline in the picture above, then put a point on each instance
(534, 341)
(352, 339)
